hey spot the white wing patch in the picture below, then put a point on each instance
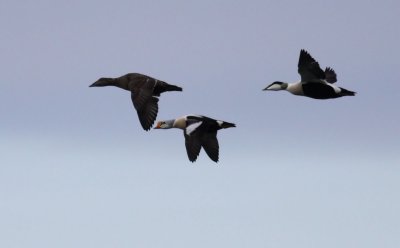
(191, 128)
(337, 89)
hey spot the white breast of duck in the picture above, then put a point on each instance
(296, 88)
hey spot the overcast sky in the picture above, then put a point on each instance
(77, 170)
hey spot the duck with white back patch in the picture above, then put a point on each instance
(315, 83)
(199, 131)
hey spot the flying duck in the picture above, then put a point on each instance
(199, 131)
(314, 83)
(144, 90)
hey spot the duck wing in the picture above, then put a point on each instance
(210, 144)
(142, 90)
(147, 112)
(308, 68)
(145, 103)
(193, 145)
(200, 133)
(330, 75)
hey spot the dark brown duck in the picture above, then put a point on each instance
(144, 90)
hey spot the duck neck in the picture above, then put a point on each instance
(179, 123)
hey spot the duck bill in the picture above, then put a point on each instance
(266, 88)
(102, 82)
(273, 87)
(158, 126)
(93, 84)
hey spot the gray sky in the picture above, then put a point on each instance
(77, 170)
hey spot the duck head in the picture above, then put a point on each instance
(275, 86)
(103, 82)
(165, 124)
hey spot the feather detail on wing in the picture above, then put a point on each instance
(330, 75)
(142, 92)
(193, 146)
(147, 112)
(210, 144)
(308, 68)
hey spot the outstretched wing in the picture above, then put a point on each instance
(330, 75)
(193, 145)
(210, 144)
(145, 103)
(308, 68)
(146, 108)
(142, 90)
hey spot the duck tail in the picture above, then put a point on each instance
(345, 92)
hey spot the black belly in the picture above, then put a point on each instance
(319, 91)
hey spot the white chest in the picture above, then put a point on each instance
(296, 89)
